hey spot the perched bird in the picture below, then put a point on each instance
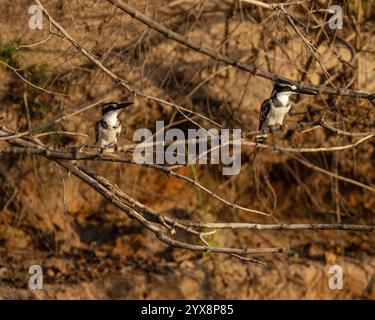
(108, 128)
(274, 109)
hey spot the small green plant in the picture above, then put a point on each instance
(43, 76)
(40, 75)
(10, 55)
(202, 211)
(203, 207)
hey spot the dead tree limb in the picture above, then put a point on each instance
(251, 68)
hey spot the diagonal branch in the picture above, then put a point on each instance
(132, 213)
(13, 135)
(118, 80)
(272, 6)
(155, 222)
(29, 148)
(251, 68)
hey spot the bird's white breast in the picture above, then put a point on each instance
(111, 118)
(283, 98)
(276, 115)
(108, 134)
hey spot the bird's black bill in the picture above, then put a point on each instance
(124, 105)
(305, 91)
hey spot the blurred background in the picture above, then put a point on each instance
(93, 250)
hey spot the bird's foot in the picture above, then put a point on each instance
(260, 139)
(108, 148)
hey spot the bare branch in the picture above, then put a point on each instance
(28, 82)
(308, 150)
(111, 197)
(272, 6)
(32, 149)
(4, 137)
(232, 61)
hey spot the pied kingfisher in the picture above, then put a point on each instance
(275, 108)
(108, 128)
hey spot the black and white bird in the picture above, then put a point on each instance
(108, 128)
(276, 107)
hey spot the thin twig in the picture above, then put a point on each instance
(272, 6)
(29, 82)
(49, 124)
(307, 150)
(64, 190)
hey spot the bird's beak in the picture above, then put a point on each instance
(305, 91)
(124, 105)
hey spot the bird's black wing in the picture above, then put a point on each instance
(118, 126)
(264, 111)
(97, 129)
